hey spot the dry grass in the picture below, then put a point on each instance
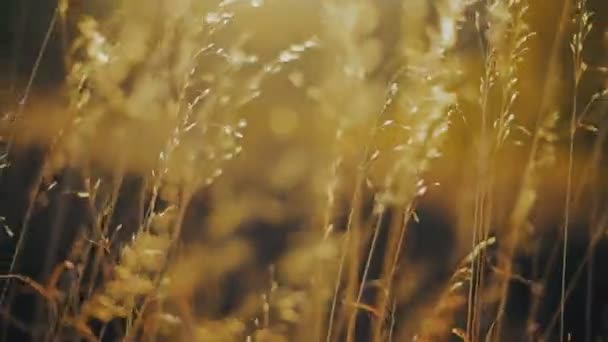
(282, 170)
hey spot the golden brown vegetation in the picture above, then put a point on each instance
(264, 170)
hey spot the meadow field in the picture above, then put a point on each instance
(303, 170)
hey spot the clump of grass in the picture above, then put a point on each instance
(280, 169)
